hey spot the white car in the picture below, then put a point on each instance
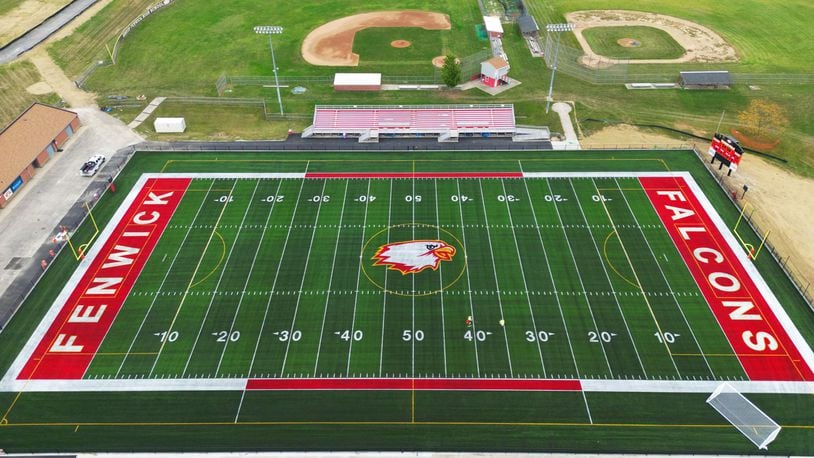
(92, 166)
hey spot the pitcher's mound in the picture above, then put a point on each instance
(629, 43)
(438, 61)
(400, 43)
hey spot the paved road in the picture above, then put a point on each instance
(36, 35)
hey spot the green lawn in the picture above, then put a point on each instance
(653, 43)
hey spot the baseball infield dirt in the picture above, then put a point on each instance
(701, 43)
(331, 44)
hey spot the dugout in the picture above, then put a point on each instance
(528, 26)
(29, 142)
(705, 80)
(493, 26)
(357, 81)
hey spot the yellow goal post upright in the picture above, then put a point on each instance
(749, 247)
(80, 250)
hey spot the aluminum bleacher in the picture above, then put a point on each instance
(447, 122)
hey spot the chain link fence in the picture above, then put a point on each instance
(599, 70)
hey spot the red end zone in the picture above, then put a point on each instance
(762, 345)
(67, 348)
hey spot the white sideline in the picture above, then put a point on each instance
(8, 382)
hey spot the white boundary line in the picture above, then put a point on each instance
(8, 383)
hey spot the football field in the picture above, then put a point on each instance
(389, 276)
(234, 301)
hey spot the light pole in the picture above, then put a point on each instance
(272, 30)
(558, 29)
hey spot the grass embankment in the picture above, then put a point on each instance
(14, 79)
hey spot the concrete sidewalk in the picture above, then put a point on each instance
(30, 220)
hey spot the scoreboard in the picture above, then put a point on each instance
(727, 150)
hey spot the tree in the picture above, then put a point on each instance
(763, 120)
(451, 71)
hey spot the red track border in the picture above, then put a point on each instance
(417, 384)
(385, 175)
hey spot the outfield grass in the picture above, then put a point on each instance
(681, 423)
(14, 78)
(654, 43)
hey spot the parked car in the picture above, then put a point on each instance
(92, 166)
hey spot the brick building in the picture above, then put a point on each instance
(29, 142)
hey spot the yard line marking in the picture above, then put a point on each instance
(441, 281)
(217, 285)
(468, 281)
(192, 278)
(579, 277)
(251, 270)
(412, 296)
(610, 283)
(358, 277)
(494, 272)
(384, 303)
(163, 280)
(523, 274)
(268, 303)
(652, 253)
(330, 279)
(302, 283)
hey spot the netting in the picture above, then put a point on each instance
(747, 417)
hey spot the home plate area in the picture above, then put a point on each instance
(400, 281)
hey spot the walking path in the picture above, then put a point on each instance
(571, 140)
(148, 110)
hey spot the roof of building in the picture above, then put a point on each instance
(497, 62)
(527, 24)
(357, 79)
(413, 118)
(493, 24)
(29, 134)
(706, 78)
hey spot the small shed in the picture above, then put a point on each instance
(528, 26)
(358, 81)
(705, 80)
(494, 72)
(170, 125)
(493, 26)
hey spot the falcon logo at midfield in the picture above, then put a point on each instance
(413, 256)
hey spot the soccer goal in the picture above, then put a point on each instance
(747, 417)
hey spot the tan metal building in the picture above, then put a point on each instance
(29, 142)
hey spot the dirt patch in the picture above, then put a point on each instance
(754, 143)
(400, 44)
(701, 43)
(56, 79)
(624, 134)
(628, 43)
(774, 194)
(39, 88)
(26, 15)
(331, 44)
(438, 61)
